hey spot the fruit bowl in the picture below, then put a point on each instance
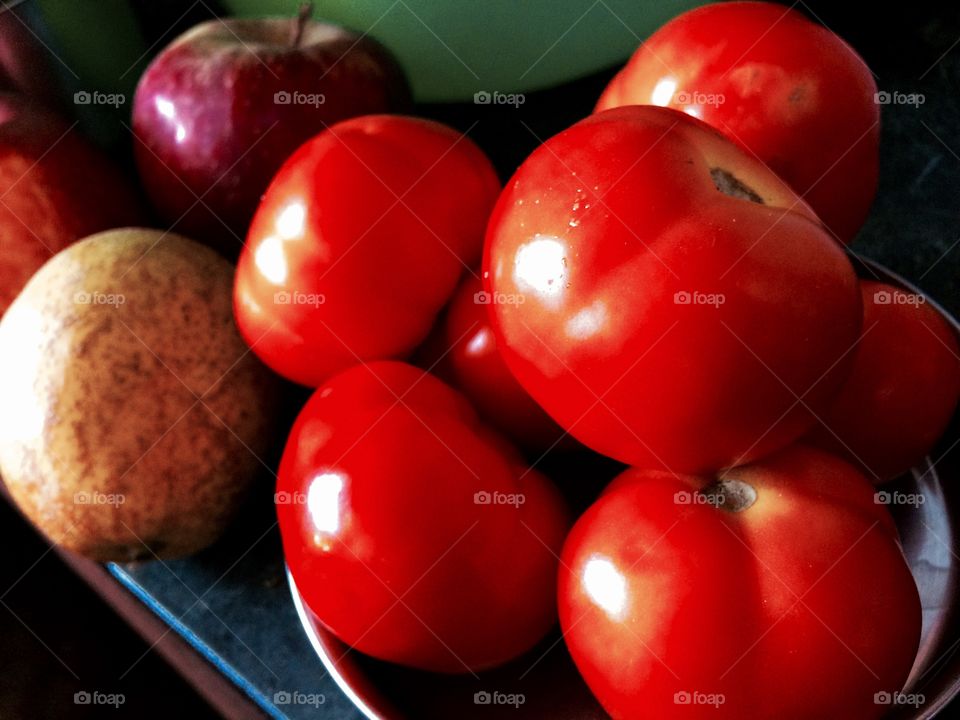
(544, 683)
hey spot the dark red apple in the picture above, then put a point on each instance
(55, 188)
(219, 110)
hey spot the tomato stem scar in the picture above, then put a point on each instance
(727, 183)
(730, 495)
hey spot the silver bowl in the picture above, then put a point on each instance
(551, 687)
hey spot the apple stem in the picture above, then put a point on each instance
(303, 16)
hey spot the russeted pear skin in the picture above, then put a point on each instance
(133, 413)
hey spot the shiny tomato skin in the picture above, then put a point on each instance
(786, 88)
(380, 496)
(359, 242)
(465, 354)
(799, 606)
(903, 388)
(605, 230)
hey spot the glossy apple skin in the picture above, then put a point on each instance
(208, 125)
(55, 188)
(787, 89)
(903, 388)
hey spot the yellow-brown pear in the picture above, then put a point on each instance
(133, 414)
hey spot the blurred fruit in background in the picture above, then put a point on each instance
(55, 188)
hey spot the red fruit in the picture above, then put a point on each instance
(774, 590)
(55, 188)
(220, 109)
(679, 299)
(359, 243)
(788, 90)
(414, 533)
(903, 389)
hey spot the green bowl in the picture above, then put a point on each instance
(452, 49)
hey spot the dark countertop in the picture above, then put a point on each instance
(233, 605)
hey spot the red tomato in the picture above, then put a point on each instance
(787, 89)
(682, 306)
(903, 389)
(780, 592)
(414, 533)
(359, 242)
(464, 352)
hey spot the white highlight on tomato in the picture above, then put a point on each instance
(270, 260)
(324, 502)
(540, 267)
(606, 586)
(291, 220)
